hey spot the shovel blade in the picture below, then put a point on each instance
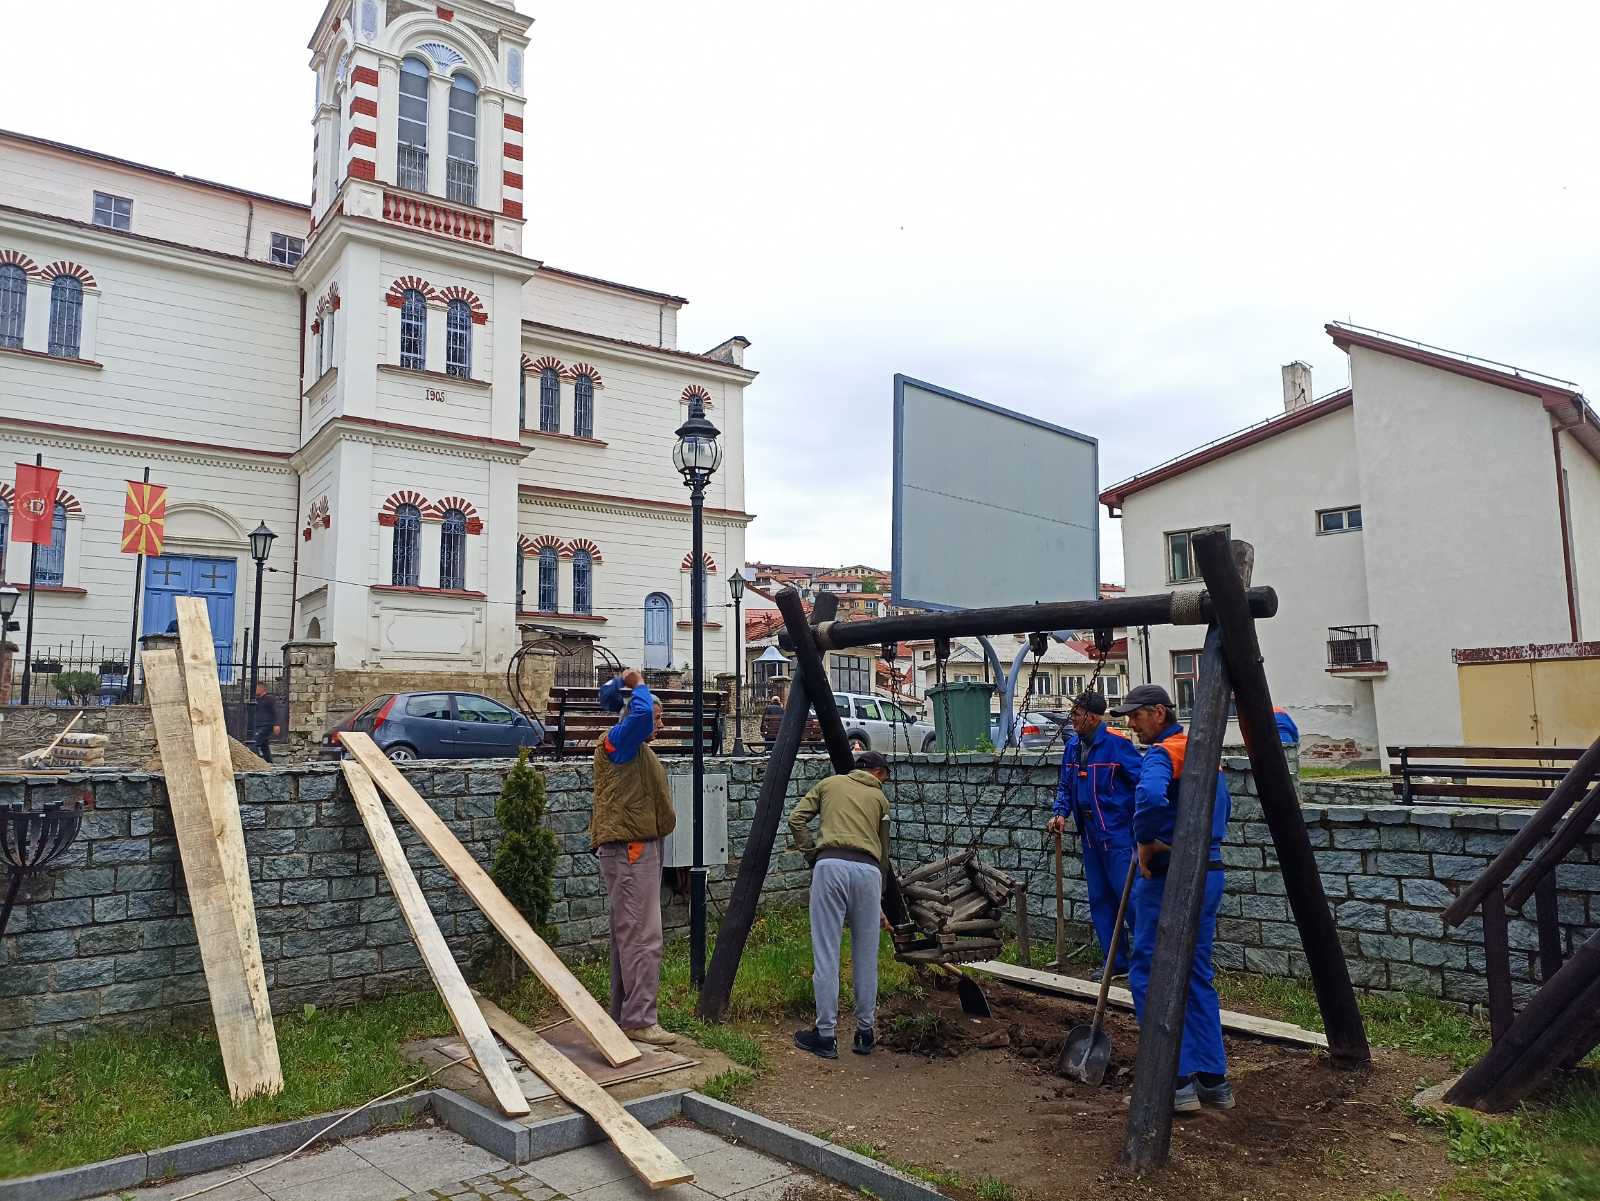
(973, 1003)
(1085, 1055)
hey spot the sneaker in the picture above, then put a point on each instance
(865, 1041)
(822, 1046)
(1218, 1096)
(1186, 1099)
(652, 1034)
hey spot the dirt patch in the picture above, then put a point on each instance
(976, 1097)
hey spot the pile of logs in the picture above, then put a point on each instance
(961, 903)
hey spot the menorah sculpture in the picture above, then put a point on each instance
(31, 840)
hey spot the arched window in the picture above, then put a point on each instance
(582, 582)
(550, 401)
(583, 407)
(458, 339)
(549, 601)
(521, 561)
(412, 164)
(407, 546)
(453, 549)
(522, 399)
(13, 305)
(414, 330)
(314, 629)
(461, 167)
(66, 316)
(53, 558)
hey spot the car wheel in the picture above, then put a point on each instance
(859, 743)
(927, 744)
(400, 753)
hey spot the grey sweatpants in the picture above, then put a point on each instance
(844, 890)
(633, 902)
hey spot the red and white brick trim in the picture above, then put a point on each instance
(688, 562)
(396, 296)
(691, 392)
(363, 118)
(441, 507)
(62, 267)
(542, 363)
(456, 292)
(511, 193)
(10, 258)
(583, 544)
(530, 547)
(405, 496)
(593, 373)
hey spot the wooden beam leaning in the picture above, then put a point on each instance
(757, 858)
(1554, 851)
(809, 661)
(646, 1154)
(1159, 609)
(502, 914)
(1280, 803)
(430, 942)
(1149, 1134)
(249, 1044)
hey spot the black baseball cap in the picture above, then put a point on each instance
(1141, 695)
(1090, 701)
(872, 761)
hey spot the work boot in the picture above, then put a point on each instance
(865, 1041)
(1218, 1095)
(1186, 1099)
(824, 1046)
(652, 1034)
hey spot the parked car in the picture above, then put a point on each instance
(439, 725)
(876, 724)
(1037, 730)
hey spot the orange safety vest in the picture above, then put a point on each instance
(1177, 748)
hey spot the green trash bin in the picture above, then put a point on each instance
(961, 715)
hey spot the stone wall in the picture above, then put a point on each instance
(105, 939)
(132, 738)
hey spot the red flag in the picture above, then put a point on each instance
(144, 518)
(34, 506)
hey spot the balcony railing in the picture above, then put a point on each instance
(461, 181)
(435, 216)
(1353, 648)
(412, 168)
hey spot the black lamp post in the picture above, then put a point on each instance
(261, 540)
(697, 457)
(736, 586)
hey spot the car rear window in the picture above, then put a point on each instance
(429, 704)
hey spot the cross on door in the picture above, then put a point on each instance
(212, 576)
(169, 573)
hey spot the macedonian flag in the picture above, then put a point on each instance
(144, 518)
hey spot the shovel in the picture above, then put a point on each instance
(1087, 1052)
(1061, 911)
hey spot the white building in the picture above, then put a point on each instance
(445, 432)
(1439, 502)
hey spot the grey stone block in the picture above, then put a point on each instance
(131, 997)
(1355, 838)
(1442, 954)
(1389, 947)
(1428, 981)
(107, 1176)
(113, 851)
(1344, 862)
(1374, 888)
(1400, 863)
(1409, 921)
(511, 1141)
(66, 1006)
(1368, 973)
(1266, 962)
(1458, 867)
(1428, 894)
(1362, 915)
(71, 974)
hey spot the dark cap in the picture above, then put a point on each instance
(1090, 701)
(1141, 695)
(872, 761)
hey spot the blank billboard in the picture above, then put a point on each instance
(991, 507)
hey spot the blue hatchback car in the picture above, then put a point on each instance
(440, 725)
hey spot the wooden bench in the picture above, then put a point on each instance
(574, 721)
(1457, 771)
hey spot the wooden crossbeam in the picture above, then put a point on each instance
(502, 914)
(430, 942)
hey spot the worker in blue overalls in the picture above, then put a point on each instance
(1099, 770)
(1202, 1061)
(1288, 732)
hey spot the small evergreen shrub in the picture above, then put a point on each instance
(525, 865)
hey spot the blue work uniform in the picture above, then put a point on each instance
(623, 740)
(1155, 811)
(1288, 732)
(1096, 793)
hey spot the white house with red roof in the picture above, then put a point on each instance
(445, 433)
(1441, 501)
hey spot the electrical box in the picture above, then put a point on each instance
(678, 849)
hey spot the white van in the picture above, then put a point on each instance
(875, 723)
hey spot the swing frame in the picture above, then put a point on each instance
(1231, 665)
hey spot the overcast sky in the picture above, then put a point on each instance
(1120, 218)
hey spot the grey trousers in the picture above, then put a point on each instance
(633, 902)
(842, 890)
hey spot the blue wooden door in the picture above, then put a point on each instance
(657, 630)
(167, 577)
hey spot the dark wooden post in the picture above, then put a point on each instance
(1280, 804)
(1497, 963)
(809, 667)
(1553, 852)
(757, 858)
(1149, 1137)
(1024, 947)
(1547, 911)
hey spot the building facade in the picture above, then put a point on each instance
(446, 434)
(1440, 502)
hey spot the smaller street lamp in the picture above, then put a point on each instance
(736, 586)
(261, 540)
(9, 596)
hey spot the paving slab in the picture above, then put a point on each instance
(316, 1164)
(435, 1159)
(687, 1142)
(362, 1184)
(634, 1189)
(572, 1172)
(735, 1169)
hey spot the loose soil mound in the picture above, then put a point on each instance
(977, 1097)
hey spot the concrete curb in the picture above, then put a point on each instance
(520, 1142)
(805, 1150)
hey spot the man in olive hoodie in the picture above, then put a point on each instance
(632, 813)
(847, 861)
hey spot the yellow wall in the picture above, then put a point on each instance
(1542, 702)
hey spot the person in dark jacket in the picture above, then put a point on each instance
(265, 724)
(1099, 771)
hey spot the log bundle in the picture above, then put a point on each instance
(960, 903)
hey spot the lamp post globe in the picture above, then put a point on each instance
(697, 455)
(261, 540)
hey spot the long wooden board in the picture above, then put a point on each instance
(502, 914)
(646, 1154)
(430, 942)
(1071, 986)
(249, 1044)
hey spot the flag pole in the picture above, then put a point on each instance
(133, 638)
(33, 591)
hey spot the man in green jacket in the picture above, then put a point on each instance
(847, 862)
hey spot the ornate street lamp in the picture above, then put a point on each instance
(261, 540)
(736, 586)
(697, 456)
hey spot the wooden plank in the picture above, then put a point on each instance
(1497, 964)
(645, 1153)
(249, 1045)
(430, 942)
(502, 914)
(1072, 986)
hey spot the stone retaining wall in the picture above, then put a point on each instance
(105, 939)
